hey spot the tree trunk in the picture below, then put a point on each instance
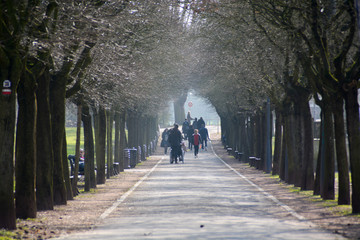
(77, 151)
(298, 130)
(179, 109)
(247, 142)
(57, 107)
(131, 125)
(327, 173)
(283, 174)
(353, 126)
(10, 69)
(25, 168)
(243, 139)
(319, 160)
(44, 151)
(256, 133)
(263, 137)
(223, 130)
(277, 145)
(307, 140)
(123, 141)
(341, 153)
(68, 185)
(117, 151)
(268, 160)
(88, 149)
(290, 147)
(148, 132)
(110, 166)
(101, 146)
(94, 140)
(235, 134)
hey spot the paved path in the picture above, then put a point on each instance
(201, 199)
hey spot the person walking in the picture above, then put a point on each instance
(164, 141)
(190, 136)
(196, 142)
(175, 139)
(189, 118)
(185, 128)
(204, 133)
(195, 124)
(200, 123)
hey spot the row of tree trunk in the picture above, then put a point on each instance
(293, 155)
(42, 171)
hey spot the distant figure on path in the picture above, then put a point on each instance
(82, 154)
(164, 141)
(200, 122)
(196, 142)
(195, 124)
(175, 139)
(189, 118)
(185, 128)
(190, 136)
(204, 133)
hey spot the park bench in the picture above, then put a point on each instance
(255, 162)
(229, 150)
(116, 167)
(239, 155)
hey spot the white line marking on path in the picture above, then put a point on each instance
(268, 195)
(108, 211)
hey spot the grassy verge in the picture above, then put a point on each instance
(71, 139)
(332, 205)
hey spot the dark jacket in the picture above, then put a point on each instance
(190, 133)
(175, 137)
(204, 133)
(165, 137)
(200, 123)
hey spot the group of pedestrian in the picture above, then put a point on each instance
(195, 132)
(172, 138)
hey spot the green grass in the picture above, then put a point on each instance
(332, 205)
(275, 176)
(71, 139)
(87, 194)
(6, 235)
(343, 210)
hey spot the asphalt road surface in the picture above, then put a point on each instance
(200, 199)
